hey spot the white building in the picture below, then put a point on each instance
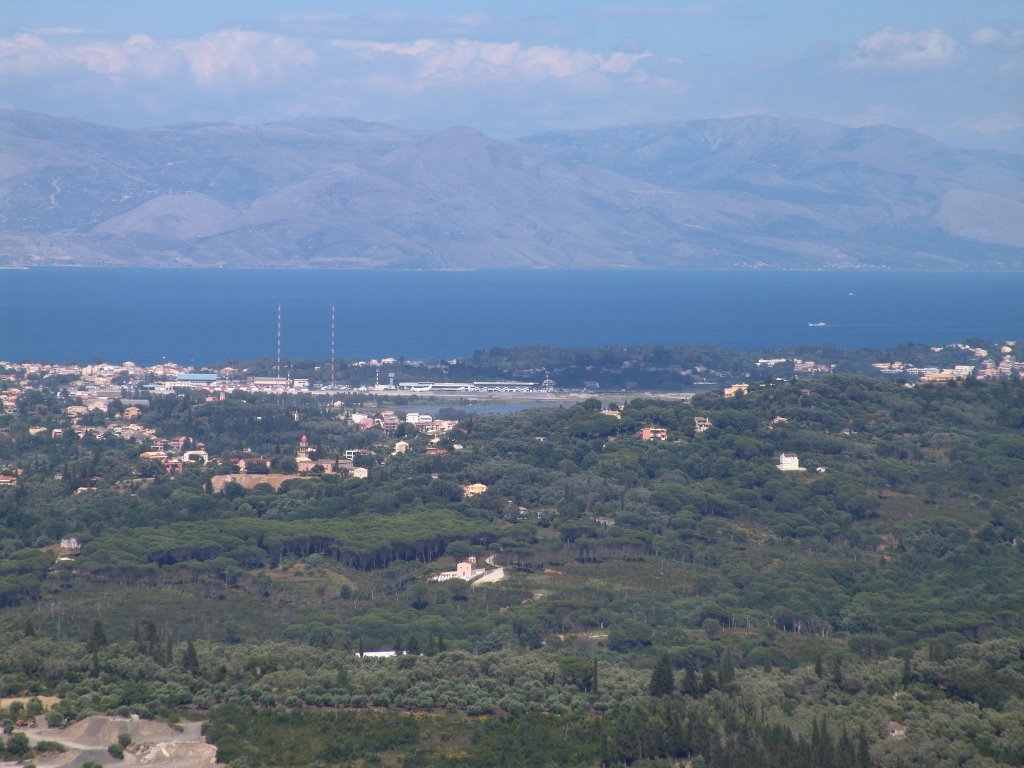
(790, 462)
(466, 570)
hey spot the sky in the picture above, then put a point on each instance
(948, 68)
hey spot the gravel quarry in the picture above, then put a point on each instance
(153, 743)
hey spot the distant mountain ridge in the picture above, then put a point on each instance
(325, 192)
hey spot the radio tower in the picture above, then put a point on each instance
(332, 346)
(279, 340)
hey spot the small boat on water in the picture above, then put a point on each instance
(816, 325)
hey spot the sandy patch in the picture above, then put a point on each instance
(48, 701)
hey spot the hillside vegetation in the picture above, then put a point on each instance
(661, 601)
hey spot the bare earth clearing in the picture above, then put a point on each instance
(153, 743)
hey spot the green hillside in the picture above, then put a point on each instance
(661, 601)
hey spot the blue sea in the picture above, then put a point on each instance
(200, 317)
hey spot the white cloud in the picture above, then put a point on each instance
(1002, 122)
(986, 36)
(890, 49)
(475, 61)
(236, 56)
(53, 31)
(659, 11)
(226, 58)
(1001, 35)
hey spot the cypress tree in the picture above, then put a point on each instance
(863, 754)
(98, 638)
(728, 672)
(190, 659)
(690, 685)
(707, 681)
(662, 677)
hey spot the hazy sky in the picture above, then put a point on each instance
(951, 68)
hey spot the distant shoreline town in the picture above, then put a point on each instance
(94, 386)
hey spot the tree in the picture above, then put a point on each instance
(662, 677)
(577, 671)
(190, 659)
(18, 744)
(728, 671)
(690, 685)
(98, 638)
(152, 641)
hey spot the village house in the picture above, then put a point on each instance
(654, 433)
(701, 424)
(474, 489)
(389, 422)
(70, 547)
(735, 389)
(248, 463)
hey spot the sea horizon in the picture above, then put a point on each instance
(197, 316)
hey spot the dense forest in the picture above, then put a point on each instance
(662, 600)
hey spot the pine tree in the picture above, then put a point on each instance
(29, 630)
(662, 677)
(819, 668)
(907, 671)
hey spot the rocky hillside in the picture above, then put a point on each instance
(745, 192)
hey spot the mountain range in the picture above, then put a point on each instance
(331, 193)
